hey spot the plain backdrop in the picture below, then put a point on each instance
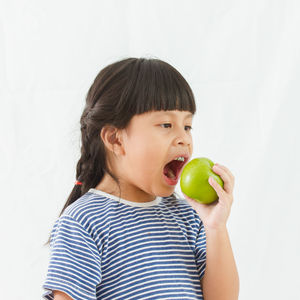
(242, 61)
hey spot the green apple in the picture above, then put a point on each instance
(194, 180)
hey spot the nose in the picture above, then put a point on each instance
(183, 137)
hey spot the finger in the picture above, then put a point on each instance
(219, 190)
(226, 169)
(228, 172)
(228, 184)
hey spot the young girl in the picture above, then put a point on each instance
(123, 233)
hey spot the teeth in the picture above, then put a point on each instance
(180, 158)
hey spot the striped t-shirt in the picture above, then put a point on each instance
(105, 247)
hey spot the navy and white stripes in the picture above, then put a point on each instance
(107, 249)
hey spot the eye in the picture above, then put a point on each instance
(169, 124)
(166, 124)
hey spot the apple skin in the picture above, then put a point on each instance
(194, 180)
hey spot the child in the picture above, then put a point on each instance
(123, 233)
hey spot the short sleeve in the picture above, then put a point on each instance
(200, 250)
(75, 263)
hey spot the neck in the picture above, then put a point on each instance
(128, 192)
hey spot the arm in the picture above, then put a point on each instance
(67, 235)
(58, 295)
(220, 280)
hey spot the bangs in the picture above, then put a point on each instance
(159, 86)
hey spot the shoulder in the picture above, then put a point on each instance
(86, 205)
(87, 213)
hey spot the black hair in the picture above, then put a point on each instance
(125, 88)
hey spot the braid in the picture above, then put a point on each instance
(90, 168)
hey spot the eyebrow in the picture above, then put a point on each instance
(173, 113)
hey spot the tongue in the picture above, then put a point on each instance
(170, 174)
(168, 171)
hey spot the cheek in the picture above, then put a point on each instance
(146, 154)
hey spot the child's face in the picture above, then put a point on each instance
(148, 145)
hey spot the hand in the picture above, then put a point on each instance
(215, 215)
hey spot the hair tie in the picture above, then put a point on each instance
(78, 182)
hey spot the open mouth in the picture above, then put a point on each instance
(173, 168)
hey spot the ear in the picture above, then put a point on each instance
(112, 139)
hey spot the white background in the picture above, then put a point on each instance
(242, 61)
